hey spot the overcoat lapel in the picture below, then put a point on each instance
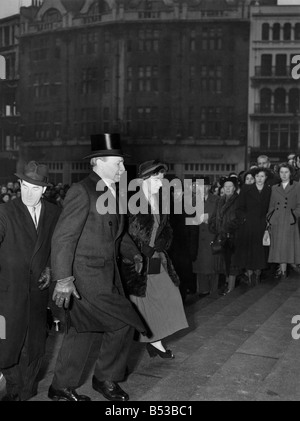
(287, 190)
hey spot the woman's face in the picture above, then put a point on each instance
(229, 188)
(249, 179)
(260, 178)
(155, 183)
(3, 189)
(6, 198)
(285, 174)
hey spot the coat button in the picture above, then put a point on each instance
(110, 223)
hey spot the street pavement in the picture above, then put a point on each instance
(238, 347)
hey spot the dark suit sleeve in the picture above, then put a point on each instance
(68, 230)
(128, 248)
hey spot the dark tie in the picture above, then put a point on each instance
(35, 218)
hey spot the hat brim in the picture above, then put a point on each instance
(151, 170)
(99, 154)
(31, 181)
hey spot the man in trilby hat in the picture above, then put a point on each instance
(26, 227)
(86, 248)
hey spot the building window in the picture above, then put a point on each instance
(210, 121)
(266, 65)
(41, 125)
(40, 49)
(287, 30)
(41, 85)
(147, 121)
(192, 41)
(276, 32)
(107, 42)
(265, 100)
(192, 78)
(279, 100)
(281, 65)
(283, 136)
(211, 38)
(129, 79)
(148, 79)
(294, 101)
(167, 78)
(265, 32)
(297, 31)
(148, 40)
(106, 80)
(88, 80)
(211, 79)
(88, 43)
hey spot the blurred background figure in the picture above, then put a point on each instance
(204, 264)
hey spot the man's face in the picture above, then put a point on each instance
(111, 168)
(263, 163)
(31, 193)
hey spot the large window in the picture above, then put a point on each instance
(265, 32)
(211, 79)
(88, 43)
(148, 79)
(212, 38)
(279, 136)
(210, 121)
(88, 80)
(148, 40)
(147, 121)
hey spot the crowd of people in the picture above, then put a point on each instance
(116, 275)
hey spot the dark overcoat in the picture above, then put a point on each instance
(87, 245)
(140, 228)
(24, 254)
(205, 260)
(283, 214)
(252, 208)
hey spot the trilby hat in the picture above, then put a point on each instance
(35, 173)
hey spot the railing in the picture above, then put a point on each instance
(273, 109)
(274, 71)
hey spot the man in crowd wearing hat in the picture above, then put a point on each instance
(26, 227)
(86, 248)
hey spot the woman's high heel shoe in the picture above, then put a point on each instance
(153, 351)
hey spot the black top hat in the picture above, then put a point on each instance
(105, 144)
(35, 173)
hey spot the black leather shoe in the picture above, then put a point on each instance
(110, 390)
(66, 394)
(10, 398)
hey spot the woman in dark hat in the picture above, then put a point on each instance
(253, 203)
(156, 292)
(224, 223)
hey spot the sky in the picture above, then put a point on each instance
(10, 7)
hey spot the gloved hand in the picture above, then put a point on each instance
(45, 279)
(63, 291)
(147, 250)
(138, 263)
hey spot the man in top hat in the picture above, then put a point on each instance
(26, 227)
(86, 248)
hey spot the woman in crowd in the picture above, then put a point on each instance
(252, 208)
(283, 214)
(204, 265)
(249, 177)
(224, 223)
(156, 292)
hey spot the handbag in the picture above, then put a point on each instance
(216, 245)
(266, 238)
